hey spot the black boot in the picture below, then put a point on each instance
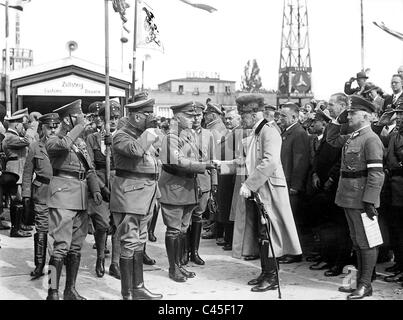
(72, 266)
(195, 242)
(40, 245)
(180, 254)
(184, 248)
(171, 245)
(263, 265)
(16, 213)
(114, 269)
(153, 223)
(146, 259)
(100, 237)
(140, 292)
(268, 279)
(362, 291)
(55, 265)
(126, 280)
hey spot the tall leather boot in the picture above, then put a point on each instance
(153, 223)
(368, 261)
(114, 269)
(126, 279)
(72, 266)
(140, 292)
(171, 245)
(180, 254)
(263, 265)
(146, 259)
(40, 246)
(16, 213)
(269, 278)
(100, 237)
(195, 242)
(184, 247)
(55, 265)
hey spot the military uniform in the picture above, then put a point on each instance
(35, 183)
(15, 148)
(73, 175)
(180, 191)
(359, 188)
(133, 195)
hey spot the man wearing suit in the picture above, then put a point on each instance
(73, 177)
(397, 96)
(134, 193)
(361, 79)
(295, 161)
(180, 190)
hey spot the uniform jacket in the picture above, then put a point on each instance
(37, 164)
(133, 153)
(268, 180)
(70, 193)
(295, 156)
(179, 154)
(218, 129)
(15, 149)
(362, 152)
(205, 143)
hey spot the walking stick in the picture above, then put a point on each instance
(265, 220)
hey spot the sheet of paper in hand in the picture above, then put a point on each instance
(372, 230)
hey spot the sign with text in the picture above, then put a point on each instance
(71, 85)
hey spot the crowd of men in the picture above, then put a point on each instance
(318, 170)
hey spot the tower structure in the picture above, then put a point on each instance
(295, 58)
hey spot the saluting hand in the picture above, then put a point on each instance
(97, 196)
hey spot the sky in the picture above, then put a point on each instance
(223, 41)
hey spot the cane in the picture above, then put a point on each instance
(265, 220)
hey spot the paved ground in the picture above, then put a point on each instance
(223, 277)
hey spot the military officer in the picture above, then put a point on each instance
(73, 176)
(100, 215)
(180, 191)
(35, 183)
(15, 146)
(94, 121)
(360, 184)
(208, 183)
(134, 193)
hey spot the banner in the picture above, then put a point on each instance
(148, 36)
(390, 31)
(201, 6)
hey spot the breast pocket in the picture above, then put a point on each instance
(352, 156)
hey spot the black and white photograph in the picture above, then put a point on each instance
(202, 154)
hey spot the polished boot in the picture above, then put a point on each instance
(114, 269)
(140, 292)
(72, 266)
(184, 247)
(269, 280)
(195, 242)
(16, 213)
(362, 291)
(40, 245)
(55, 265)
(100, 238)
(179, 255)
(146, 259)
(126, 280)
(153, 223)
(171, 245)
(263, 265)
(334, 271)
(287, 259)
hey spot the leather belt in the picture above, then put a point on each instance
(136, 175)
(80, 175)
(397, 172)
(177, 172)
(12, 158)
(100, 166)
(42, 179)
(354, 174)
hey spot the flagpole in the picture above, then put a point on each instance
(107, 107)
(7, 63)
(133, 88)
(362, 37)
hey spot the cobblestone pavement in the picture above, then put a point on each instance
(222, 277)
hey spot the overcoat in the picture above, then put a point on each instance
(15, 149)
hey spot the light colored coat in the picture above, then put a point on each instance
(268, 180)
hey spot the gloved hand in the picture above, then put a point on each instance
(97, 196)
(315, 181)
(245, 191)
(106, 194)
(108, 140)
(370, 210)
(212, 164)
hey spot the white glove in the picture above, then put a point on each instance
(245, 191)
